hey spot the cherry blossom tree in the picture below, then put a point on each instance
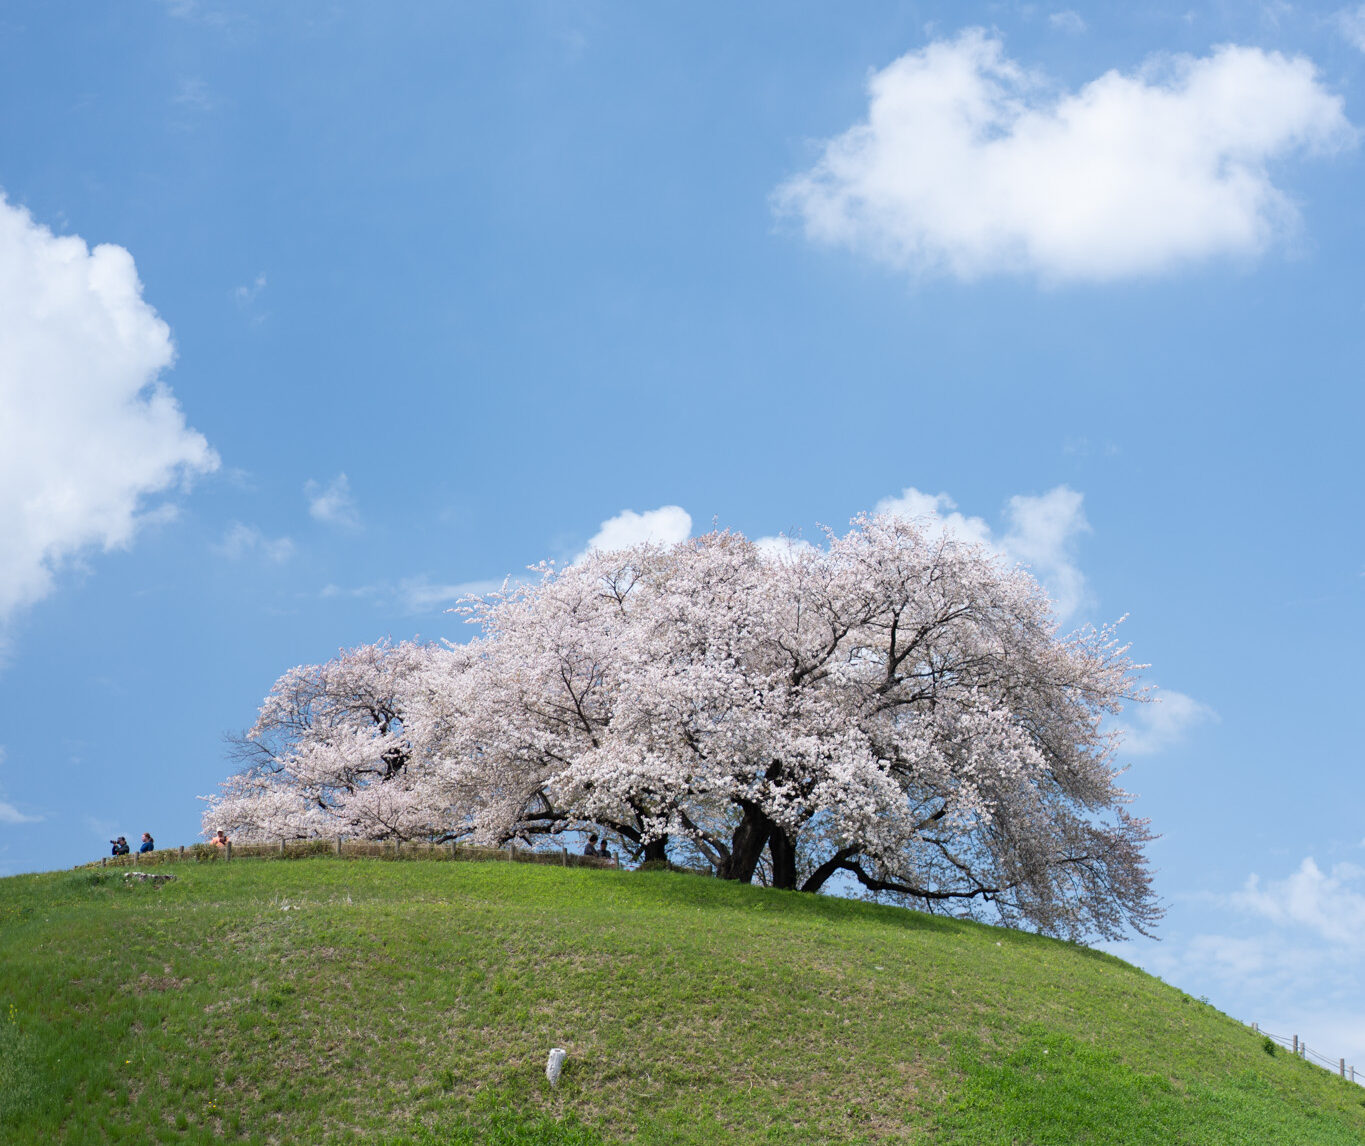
(894, 709)
(334, 751)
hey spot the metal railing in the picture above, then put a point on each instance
(1300, 1049)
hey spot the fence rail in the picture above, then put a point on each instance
(354, 849)
(1298, 1047)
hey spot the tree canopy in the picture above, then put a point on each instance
(894, 709)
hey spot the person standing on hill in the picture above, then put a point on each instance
(220, 840)
(148, 844)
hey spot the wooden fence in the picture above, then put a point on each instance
(353, 849)
(1300, 1049)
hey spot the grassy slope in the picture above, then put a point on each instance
(334, 1000)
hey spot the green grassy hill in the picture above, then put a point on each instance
(333, 1000)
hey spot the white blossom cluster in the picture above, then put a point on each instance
(896, 706)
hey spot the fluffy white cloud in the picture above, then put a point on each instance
(938, 512)
(87, 430)
(781, 547)
(1040, 532)
(969, 164)
(1067, 21)
(243, 540)
(332, 502)
(1151, 728)
(666, 525)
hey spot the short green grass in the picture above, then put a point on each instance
(333, 1000)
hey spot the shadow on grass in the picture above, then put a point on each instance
(679, 889)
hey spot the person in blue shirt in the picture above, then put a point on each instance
(147, 843)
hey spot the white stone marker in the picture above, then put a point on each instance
(555, 1065)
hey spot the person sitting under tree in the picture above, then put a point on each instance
(590, 848)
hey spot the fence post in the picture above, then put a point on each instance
(452, 849)
(564, 854)
(104, 861)
(227, 849)
(182, 851)
(338, 845)
(1256, 1028)
(1296, 1044)
(397, 844)
(1342, 1064)
(281, 845)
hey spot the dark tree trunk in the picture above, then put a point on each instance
(828, 868)
(784, 859)
(746, 847)
(656, 851)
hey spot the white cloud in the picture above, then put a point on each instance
(1067, 21)
(196, 12)
(332, 502)
(1331, 905)
(87, 429)
(937, 512)
(243, 540)
(666, 525)
(968, 164)
(420, 595)
(246, 295)
(1298, 972)
(1151, 728)
(781, 547)
(1351, 24)
(1041, 533)
(414, 595)
(193, 93)
(9, 814)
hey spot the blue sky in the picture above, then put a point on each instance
(446, 289)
